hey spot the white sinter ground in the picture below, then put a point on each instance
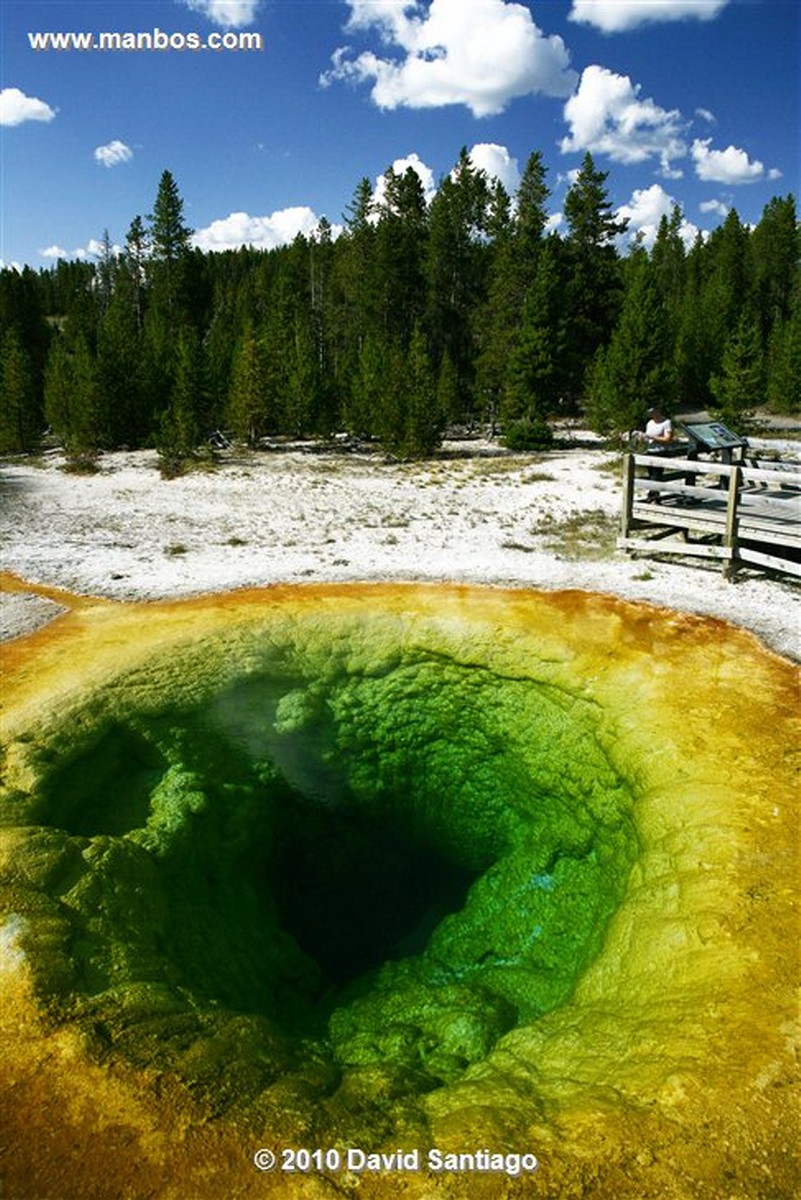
(474, 515)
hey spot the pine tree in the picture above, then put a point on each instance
(105, 272)
(594, 290)
(400, 248)
(364, 399)
(247, 400)
(634, 373)
(135, 257)
(740, 385)
(169, 242)
(533, 371)
(784, 364)
(450, 407)
(531, 218)
(422, 431)
(74, 406)
(456, 266)
(119, 365)
(179, 431)
(775, 246)
(20, 415)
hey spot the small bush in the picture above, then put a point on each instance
(528, 435)
(82, 462)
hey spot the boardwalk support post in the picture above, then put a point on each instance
(730, 535)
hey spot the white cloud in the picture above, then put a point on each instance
(16, 107)
(92, 249)
(113, 153)
(706, 115)
(774, 173)
(263, 233)
(480, 53)
(606, 116)
(730, 166)
(715, 206)
(617, 16)
(644, 212)
(230, 14)
(498, 163)
(554, 221)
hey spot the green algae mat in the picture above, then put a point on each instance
(397, 890)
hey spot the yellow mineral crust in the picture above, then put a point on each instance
(672, 1069)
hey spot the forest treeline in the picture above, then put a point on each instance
(419, 316)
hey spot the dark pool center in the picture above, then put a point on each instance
(291, 866)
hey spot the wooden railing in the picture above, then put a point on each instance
(737, 513)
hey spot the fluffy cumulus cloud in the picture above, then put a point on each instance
(607, 116)
(498, 164)
(714, 206)
(229, 14)
(264, 233)
(92, 249)
(644, 212)
(114, 153)
(16, 107)
(731, 166)
(617, 16)
(479, 53)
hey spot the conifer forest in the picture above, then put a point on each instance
(419, 317)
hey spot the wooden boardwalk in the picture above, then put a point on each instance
(736, 513)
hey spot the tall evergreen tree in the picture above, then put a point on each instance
(169, 244)
(20, 410)
(457, 266)
(594, 290)
(739, 387)
(135, 257)
(422, 431)
(400, 248)
(531, 217)
(119, 364)
(634, 372)
(784, 363)
(247, 401)
(74, 402)
(533, 377)
(180, 426)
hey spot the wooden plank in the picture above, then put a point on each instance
(647, 546)
(777, 475)
(773, 537)
(747, 554)
(690, 465)
(690, 491)
(769, 503)
(681, 518)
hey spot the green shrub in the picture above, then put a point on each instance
(528, 435)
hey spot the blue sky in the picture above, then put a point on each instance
(693, 101)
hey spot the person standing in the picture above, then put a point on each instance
(658, 435)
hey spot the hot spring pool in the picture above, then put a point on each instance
(397, 866)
